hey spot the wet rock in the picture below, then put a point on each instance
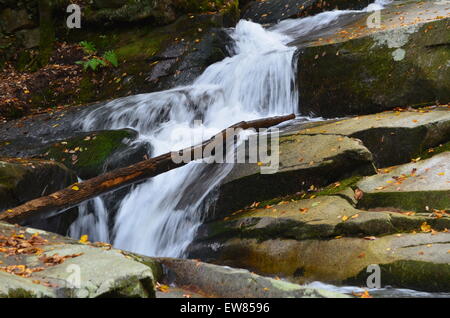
(416, 261)
(323, 217)
(272, 11)
(421, 186)
(217, 281)
(159, 12)
(15, 20)
(26, 136)
(29, 38)
(22, 180)
(93, 153)
(402, 63)
(305, 161)
(86, 271)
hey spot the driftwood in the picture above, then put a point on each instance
(83, 191)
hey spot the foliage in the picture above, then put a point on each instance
(93, 61)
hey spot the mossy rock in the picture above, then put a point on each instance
(414, 261)
(90, 154)
(272, 11)
(394, 137)
(419, 186)
(305, 161)
(22, 180)
(400, 66)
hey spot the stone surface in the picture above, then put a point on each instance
(14, 20)
(272, 11)
(402, 63)
(29, 38)
(416, 261)
(22, 180)
(323, 217)
(421, 186)
(304, 161)
(392, 137)
(93, 153)
(225, 282)
(92, 271)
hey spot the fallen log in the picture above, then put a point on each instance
(113, 180)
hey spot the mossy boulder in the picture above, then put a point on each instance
(158, 12)
(392, 137)
(421, 186)
(304, 161)
(217, 281)
(22, 180)
(323, 217)
(362, 70)
(93, 153)
(415, 261)
(272, 11)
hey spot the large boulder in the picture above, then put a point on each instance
(421, 186)
(91, 154)
(272, 11)
(327, 239)
(305, 161)
(414, 261)
(392, 137)
(56, 267)
(15, 20)
(22, 180)
(159, 12)
(218, 281)
(363, 68)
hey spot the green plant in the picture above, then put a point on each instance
(92, 61)
(88, 47)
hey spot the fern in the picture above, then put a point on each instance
(111, 57)
(93, 62)
(88, 47)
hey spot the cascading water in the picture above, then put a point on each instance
(160, 217)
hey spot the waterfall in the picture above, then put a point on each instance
(160, 217)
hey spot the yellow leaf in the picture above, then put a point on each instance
(344, 218)
(84, 239)
(425, 227)
(75, 188)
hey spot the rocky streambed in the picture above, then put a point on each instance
(371, 186)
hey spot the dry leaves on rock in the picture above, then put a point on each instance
(56, 259)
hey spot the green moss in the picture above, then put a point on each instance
(87, 90)
(344, 184)
(18, 293)
(416, 275)
(47, 32)
(408, 201)
(87, 155)
(142, 47)
(434, 151)
(329, 190)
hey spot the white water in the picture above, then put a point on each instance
(161, 216)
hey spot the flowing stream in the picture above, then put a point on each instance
(160, 217)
